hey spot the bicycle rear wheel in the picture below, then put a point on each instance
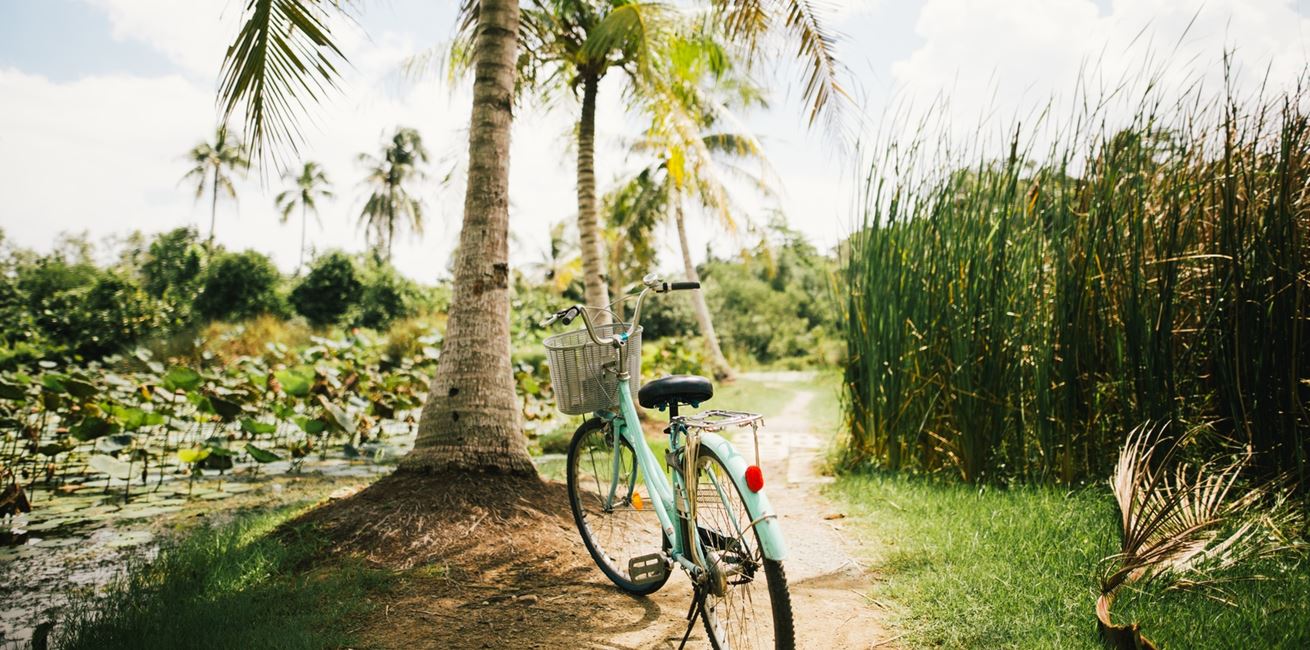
(753, 610)
(610, 505)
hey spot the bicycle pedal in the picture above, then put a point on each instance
(646, 569)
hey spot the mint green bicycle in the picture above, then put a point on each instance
(707, 514)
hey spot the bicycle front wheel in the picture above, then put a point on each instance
(610, 506)
(752, 610)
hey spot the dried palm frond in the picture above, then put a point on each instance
(1184, 523)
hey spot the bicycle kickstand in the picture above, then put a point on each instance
(697, 604)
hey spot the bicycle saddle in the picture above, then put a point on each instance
(674, 390)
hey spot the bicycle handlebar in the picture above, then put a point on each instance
(652, 284)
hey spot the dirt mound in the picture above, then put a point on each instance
(483, 562)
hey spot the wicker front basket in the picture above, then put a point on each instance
(577, 373)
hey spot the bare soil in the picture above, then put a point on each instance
(496, 562)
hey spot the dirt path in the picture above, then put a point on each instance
(522, 579)
(826, 582)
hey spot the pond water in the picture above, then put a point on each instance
(83, 530)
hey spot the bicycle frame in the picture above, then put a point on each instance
(662, 491)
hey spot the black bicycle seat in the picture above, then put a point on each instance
(675, 389)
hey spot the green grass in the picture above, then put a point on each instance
(963, 567)
(232, 586)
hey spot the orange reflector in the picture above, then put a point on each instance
(636, 501)
(754, 478)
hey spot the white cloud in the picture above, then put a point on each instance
(1008, 56)
(193, 34)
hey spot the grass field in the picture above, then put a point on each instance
(964, 567)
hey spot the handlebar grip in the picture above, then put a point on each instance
(683, 286)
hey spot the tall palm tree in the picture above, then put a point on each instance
(310, 185)
(689, 155)
(284, 58)
(391, 205)
(574, 44)
(213, 164)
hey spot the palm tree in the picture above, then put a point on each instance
(575, 43)
(690, 156)
(391, 205)
(285, 57)
(308, 186)
(213, 164)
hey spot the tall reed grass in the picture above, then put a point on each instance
(1013, 314)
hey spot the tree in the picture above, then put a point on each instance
(329, 292)
(213, 164)
(310, 185)
(285, 54)
(392, 205)
(575, 43)
(690, 156)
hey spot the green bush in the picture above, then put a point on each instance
(53, 305)
(172, 272)
(386, 297)
(238, 286)
(329, 292)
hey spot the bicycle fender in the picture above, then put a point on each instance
(757, 503)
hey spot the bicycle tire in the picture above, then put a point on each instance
(783, 632)
(616, 573)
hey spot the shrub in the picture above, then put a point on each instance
(171, 272)
(386, 297)
(99, 318)
(238, 286)
(329, 292)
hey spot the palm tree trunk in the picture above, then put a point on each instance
(213, 210)
(721, 368)
(588, 229)
(471, 418)
(304, 224)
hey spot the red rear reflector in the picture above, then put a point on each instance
(754, 478)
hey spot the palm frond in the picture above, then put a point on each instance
(283, 58)
(751, 20)
(1187, 524)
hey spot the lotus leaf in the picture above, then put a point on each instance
(182, 378)
(261, 455)
(111, 466)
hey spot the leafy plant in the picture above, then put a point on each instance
(329, 292)
(239, 286)
(1190, 525)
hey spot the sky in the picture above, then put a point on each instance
(101, 99)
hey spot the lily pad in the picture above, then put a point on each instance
(261, 455)
(338, 416)
(92, 427)
(12, 392)
(109, 465)
(250, 425)
(193, 454)
(183, 378)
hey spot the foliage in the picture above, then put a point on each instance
(329, 292)
(773, 306)
(76, 306)
(1188, 525)
(237, 286)
(392, 205)
(1016, 317)
(970, 567)
(231, 586)
(171, 273)
(388, 296)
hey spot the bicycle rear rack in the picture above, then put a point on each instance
(715, 420)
